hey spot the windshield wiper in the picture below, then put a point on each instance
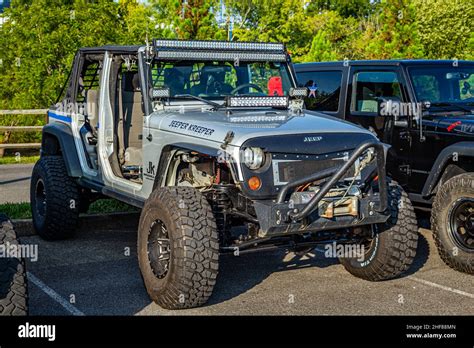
(190, 96)
(446, 104)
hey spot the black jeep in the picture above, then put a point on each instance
(425, 110)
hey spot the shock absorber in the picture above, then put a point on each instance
(221, 206)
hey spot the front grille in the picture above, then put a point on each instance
(287, 168)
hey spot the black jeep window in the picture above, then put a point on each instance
(324, 89)
(370, 87)
(443, 84)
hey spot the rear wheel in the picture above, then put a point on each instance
(452, 221)
(55, 199)
(13, 283)
(178, 247)
(392, 249)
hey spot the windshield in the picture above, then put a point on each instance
(218, 79)
(443, 84)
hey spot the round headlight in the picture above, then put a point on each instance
(253, 157)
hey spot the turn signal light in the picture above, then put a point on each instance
(254, 183)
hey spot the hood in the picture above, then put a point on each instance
(248, 124)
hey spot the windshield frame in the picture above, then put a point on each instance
(285, 67)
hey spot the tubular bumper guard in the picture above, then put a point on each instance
(279, 218)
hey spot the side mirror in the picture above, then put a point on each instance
(160, 93)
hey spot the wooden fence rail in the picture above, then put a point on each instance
(37, 112)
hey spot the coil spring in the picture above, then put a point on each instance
(221, 205)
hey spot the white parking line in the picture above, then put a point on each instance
(54, 295)
(447, 288)
(426, 282)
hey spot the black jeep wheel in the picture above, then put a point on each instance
(13, 283)
(178, 247)
(55, 199)
(392, 249)
(452, 222)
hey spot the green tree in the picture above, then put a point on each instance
(338, 33)
(140, 22)
(321, 49)
(390, 33)
(445, 28)
(470, 53)
(274, 21)
(40, 38)
(345, 8)
(189, 19)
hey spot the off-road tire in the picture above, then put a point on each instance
(194, 247)
(393, 249)
(61, 210)
(454, 255)
(13, 283)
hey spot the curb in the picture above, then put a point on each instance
(24, 227)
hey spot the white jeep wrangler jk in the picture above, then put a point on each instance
(211, 141)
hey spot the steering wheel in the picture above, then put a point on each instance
(246, 85)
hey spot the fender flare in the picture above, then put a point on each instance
(463, 148)
(63, 133)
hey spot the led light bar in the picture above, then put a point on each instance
(300, 92)
(277, 102)
(216, 55)
(258, 119)
(160, 93)
(218, 45)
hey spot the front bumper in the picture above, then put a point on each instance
(281, 217)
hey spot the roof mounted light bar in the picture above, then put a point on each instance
(270, 101)
(218, 45)
(226, 56)
(258, 119)
(219, 50)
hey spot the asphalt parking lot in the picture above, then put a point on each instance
(15, 183)
(98, 271)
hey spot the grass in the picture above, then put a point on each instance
(110, 206)
(16, 210)
(19, 159)
(104, 206)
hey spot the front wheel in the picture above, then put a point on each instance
(178, 247)
(392, 249)
(452, 222)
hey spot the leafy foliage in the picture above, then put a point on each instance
(40, 37)
(445, 28)
(391, 33)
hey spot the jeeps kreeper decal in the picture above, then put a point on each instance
(191, 128)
